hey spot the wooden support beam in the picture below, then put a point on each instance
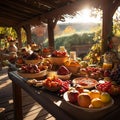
(107, 24)
(27, 29)
(19, 38)
(21, 5)
(56, 13)
(115, 5)
(51, 26)
(17, 101)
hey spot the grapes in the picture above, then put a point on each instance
(64, 87)
(115, 75)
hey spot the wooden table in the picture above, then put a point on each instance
(56, 105)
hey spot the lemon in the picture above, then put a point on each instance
(97, 103)
(105, 97)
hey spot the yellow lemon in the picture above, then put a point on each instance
(94, 94)
(105, 97)
(97, 103)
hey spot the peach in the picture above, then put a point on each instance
(84, 100)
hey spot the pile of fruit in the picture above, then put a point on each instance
(89, 99)
(109, 87)
(58, 53)
(92, 72)
(34, 56)
(56, 84)
(62, 70)
(31, 68)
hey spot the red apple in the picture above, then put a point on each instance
(72, 95)
(63, 70)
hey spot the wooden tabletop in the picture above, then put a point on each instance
(59, 108)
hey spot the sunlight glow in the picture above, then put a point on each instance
(83, 16)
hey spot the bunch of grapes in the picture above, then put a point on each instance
(115, 75)
(65, 86)
(104, 87)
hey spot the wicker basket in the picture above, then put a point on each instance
(33, 75)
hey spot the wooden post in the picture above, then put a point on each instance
(27, 29)
(17, 97)
(18, 31)
(51, 26)
(107, 24)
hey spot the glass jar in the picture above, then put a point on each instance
(73, 55)
(107, 65)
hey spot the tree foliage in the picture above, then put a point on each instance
(8, 31)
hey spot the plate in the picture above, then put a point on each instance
(33, 75)
(65, 97)
(85, 82)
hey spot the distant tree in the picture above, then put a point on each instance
(8, 31)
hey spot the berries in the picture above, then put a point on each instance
(58, 53)
(64, 87)
(104, 87)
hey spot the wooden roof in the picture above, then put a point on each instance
(23, 12)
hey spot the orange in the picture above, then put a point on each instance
(94, 94)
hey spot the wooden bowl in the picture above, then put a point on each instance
(33, 75)
(73, 69)
(53, 89)
(64, 77)
(58, 60)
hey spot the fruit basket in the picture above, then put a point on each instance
(52, 84)
(33, 75)
(73, 69)
(58, 60)
(73, 66)
(63, 73)
(75, 105)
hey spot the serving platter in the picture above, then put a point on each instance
(85, 82)
(65, 97)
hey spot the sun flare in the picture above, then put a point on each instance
(83, 16)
